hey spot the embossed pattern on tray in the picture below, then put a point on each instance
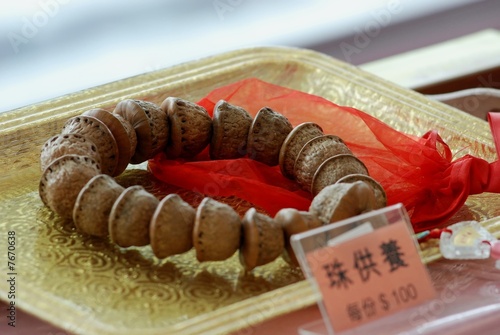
(90, 286)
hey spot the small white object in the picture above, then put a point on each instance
(468, 240)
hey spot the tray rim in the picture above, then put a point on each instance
(68, 105)
(35, 113)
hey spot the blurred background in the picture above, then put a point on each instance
(53, 47)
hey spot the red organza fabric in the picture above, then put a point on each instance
(418, 172)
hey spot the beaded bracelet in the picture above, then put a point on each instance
(79, 164)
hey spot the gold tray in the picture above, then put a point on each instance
(89, 286)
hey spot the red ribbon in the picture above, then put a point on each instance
(484, 176)
(494, 120)
(418, 172)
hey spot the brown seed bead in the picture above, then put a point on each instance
(132, 136)
(341, 201)
(267, 133)
(380, 195)
(93, 205)
(130, 217)
(190, 128)
(67, 144)
(263, 240)
(97, 132)
(119, 133)
(334, 168)
(150, 124)
(313, 154)
(290, 149)
(217, 231)
(63, 179)
(230, 131)
(293, 222)
(171, 228)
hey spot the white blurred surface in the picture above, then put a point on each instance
(53, 47)
(465, 56)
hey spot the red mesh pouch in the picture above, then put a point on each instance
(418, 172)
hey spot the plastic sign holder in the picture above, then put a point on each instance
(365, 269)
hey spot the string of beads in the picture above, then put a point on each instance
(79, 164)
